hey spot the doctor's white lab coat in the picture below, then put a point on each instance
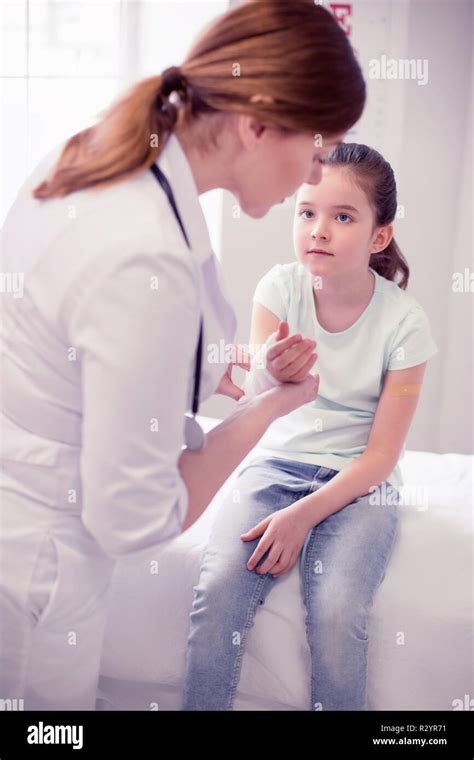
(97, 355)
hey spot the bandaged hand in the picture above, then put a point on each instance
(281, 359)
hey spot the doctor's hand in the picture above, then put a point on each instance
(283, 536)
(227, 387)
(289, 396)
(291, 357)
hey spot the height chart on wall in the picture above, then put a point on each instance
(377, 32)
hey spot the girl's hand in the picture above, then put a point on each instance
(291, 357)
(283, 533)
(227, 387)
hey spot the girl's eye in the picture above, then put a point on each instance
(346, 215)
(306, 212)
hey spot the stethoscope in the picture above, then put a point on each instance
(194, 435)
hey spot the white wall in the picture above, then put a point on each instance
(436, 184)
(425, 133)
(455, 387)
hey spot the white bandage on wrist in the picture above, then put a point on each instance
(258, 379)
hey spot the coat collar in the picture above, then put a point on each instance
(175, 165)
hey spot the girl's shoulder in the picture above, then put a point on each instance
(282, 278)
(285, 272)
(404, 325)
(393, 299)
(280, 288)
(287, 277)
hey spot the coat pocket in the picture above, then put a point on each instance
(44, 581)
(20, 445)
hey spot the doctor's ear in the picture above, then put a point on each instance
(382, 238)
(250, 131)
(251, 127)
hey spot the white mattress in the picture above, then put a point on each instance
(421, 630)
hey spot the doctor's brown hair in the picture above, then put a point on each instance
(294, 53)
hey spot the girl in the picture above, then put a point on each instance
(326, 488)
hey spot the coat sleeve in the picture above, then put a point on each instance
(136, 334)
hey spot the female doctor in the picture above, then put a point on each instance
(104, 344)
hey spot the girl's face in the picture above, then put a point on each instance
(273, 166)
(335, 216)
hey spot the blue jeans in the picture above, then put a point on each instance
(342, 563)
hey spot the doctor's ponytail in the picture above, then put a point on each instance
(294, 53)
(128, 139)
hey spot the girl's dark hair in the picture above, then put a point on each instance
(375, 177)
(294, 53)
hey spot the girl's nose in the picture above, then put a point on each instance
(318, 231)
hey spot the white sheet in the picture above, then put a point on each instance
(421, 642)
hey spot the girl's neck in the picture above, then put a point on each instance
(346, 292)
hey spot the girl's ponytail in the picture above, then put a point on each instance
(389, 262)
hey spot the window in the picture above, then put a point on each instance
(58, 70)
(63, 61)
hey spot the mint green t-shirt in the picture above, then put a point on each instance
(392, 333)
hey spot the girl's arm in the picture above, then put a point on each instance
(264, 323)
(277, 356)
(284, 532)
(395, 412)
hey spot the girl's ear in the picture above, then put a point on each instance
(382, 238)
